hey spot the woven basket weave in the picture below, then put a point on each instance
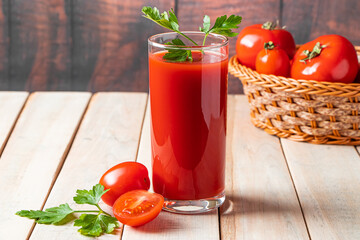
(302, 110)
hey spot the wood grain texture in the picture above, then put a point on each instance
(4, 44)
(34, 153)
(328, 184)
(309, 19)
(169, 226)
(110, 44)
(191, 13)
(109, 134)
(11, 104)
(261, 201)
(40, 45)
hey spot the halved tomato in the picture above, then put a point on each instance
(138, 207)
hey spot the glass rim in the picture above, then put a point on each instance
(225, 41)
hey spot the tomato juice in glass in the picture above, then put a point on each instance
(188, 123)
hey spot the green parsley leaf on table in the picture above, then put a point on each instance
(52, 215)
(94, 225)
(177, 55)
(91, 197)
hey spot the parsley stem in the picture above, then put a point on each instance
(205, 38)
(94, 211)
(102, 211)
(81, 211)
(182, 34)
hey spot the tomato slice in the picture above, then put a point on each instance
(137, 207)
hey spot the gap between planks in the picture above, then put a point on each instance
(61, 163)
(296, 192)
(147, 104)
(262, 202)
(109, 134)
(327, 182)
(32, 155)
(170, 226)
(6, 139)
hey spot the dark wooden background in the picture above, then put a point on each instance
(100, 45)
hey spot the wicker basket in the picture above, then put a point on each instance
(302, 110)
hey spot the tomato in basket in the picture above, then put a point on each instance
(272, 60)
(330, 58)
(251, 41)
(357, 79)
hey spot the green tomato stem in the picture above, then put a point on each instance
(314, 53)
(269, 25)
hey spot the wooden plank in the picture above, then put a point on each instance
(191, 13)
(170, 226)
(309, 19)
(40, 45)
(109, 134)
(34, 154)
(328, 184)
(110, 44)
(261, 201)
(11, 104)
(4, 45)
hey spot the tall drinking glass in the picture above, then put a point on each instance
(188, 122)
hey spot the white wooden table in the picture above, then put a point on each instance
(53, 143)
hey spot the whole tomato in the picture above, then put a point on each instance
(330, 58)
(251, 41)
(123, 178)
(272, 60)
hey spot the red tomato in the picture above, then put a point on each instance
(273, 60)
(138, 207)
(357, 78)
(123, 178)
(334, 60)
(251, 41)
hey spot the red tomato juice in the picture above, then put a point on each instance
(188, 125)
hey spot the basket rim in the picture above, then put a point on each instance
(247, 75)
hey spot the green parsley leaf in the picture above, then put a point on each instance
(91, 197)
(91, 224)
(166, 19)
(94, 225)
(223, 26)
(52, 215)
(169, 20)
(177, 55)
(176, 42)
(206, 24)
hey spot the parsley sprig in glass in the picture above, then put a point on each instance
(223, 26)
